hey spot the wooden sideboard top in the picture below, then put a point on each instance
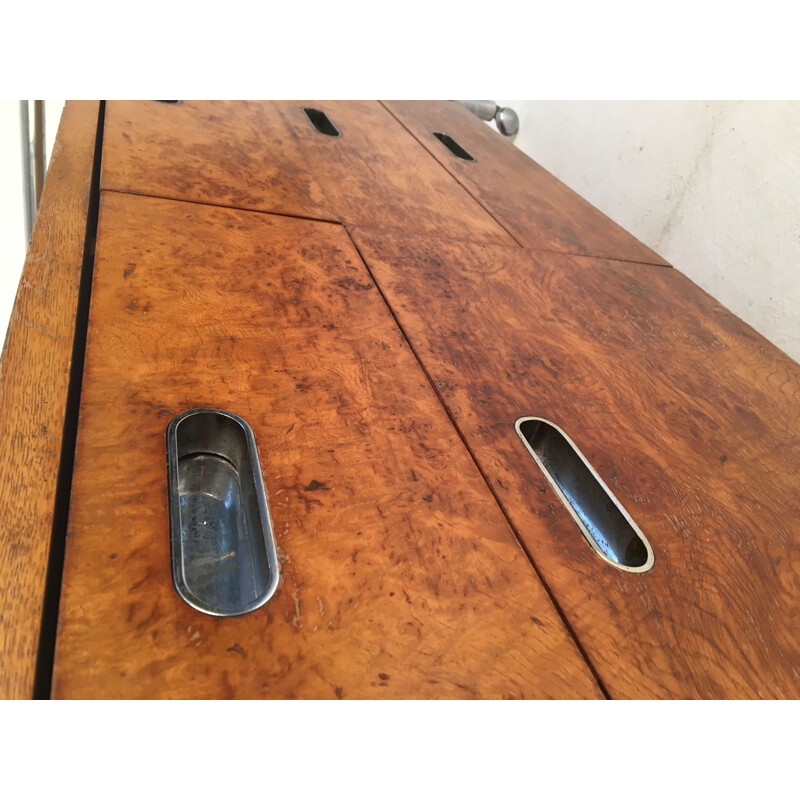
(381, 312)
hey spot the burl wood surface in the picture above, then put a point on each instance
(231, 153)
(691, 417)
(535, 207)
(400, 576)
(34, 376)
(377, 174)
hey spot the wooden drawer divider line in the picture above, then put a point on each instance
(512, 528)
(43, 675)
(500, 222)
(454, 177)
(223, 205)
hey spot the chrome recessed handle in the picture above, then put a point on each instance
(453, 146)
(224, 558)
(605, 524)
(321, 122)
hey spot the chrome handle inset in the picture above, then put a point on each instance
(321, 122)
(605, 524)
(224, 559)
(453, 146)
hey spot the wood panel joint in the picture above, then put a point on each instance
(47, 633)
(563, 617)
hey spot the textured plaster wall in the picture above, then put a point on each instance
(714, 187)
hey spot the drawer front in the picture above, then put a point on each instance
(399, 574)
(688, 415)
(228, 153)
(534, 206)
(376, 174)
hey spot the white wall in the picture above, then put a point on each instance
(712, 187)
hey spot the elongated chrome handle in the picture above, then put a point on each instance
(605, 524)
(224, 558)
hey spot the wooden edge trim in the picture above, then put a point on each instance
(40, 369)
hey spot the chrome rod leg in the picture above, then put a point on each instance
(27, 170)
(39, 166)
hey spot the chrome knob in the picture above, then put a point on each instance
(507, 121)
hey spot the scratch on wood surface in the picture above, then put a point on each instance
(296, 618)
(27, 284)
(17, 317)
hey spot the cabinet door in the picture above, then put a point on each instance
(400, 576)
(375, 174)
(534, 206)
(689, 416)
(224, 152)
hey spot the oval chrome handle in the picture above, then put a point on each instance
(605, 524)
(224, 558)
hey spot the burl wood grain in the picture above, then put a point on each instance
(691, 417)
(231, 153)
(400, 576)
(534, 206)
(34, 376)
(377, 174)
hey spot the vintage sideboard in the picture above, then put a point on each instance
(507, 450)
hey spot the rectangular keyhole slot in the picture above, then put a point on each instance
(605, 524)
(321, 122)
(453, 146)
(224, 560)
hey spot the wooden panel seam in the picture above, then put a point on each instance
(235, 154)
(222, 205)
(313, 149)
(524, 245)
(454, 177)
(565, 621)
(55, 567)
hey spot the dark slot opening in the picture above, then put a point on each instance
(453, 146)
(171, 102)
(602, 520)
(321, 122)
